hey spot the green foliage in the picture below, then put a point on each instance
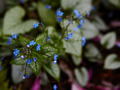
(48, 17)
(81, 75)
(77, 60)
(53, 70)
(115, 3)
(108, 40)
(13, 23)
(24, 41)
(112, 62)
(80, 5)
(18, 61)
(92, 53)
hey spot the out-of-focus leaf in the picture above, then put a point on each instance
(81, 5)
(92, 53)
(13, 23)
(47, 16)
(77, 60)
(81, 75)
(112, 62)
(89, 30)
(115, 3)
(41, 39)
(4, 51)
(18, 61)
(16, 76)
(99, 23)
(53, 70)
(108, 40)
(44, 79)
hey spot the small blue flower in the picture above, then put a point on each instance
(59, 13)
(55, 87)
(88, 14)
(55, 57)
(16, 52)
(75, 28)
(9, 41)
(14, 56)
(29, 61)
(47, 6)
(2, 58)
(26, 76)
(34, 59)
(55, 61)
(70, 35)
(28, 45)
(66, 38)
(82, 21)
(14, 36)
(77, 14)
(59, 19)
(42, 24)
(48, 38)
(83, 41)
(0, 68)
(93, 8)
(22, 57)
(35, 25)
(38, 47)
(32, 43)
(79, 26)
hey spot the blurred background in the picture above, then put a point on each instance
(99, 66)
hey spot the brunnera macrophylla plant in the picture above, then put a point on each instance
(43, 52)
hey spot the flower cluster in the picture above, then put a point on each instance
(59, 14)
(55, 59)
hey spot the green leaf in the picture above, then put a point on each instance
(108, 40)
(80, 5)
(81, 75)
(89, 30)
(92, 53)
(18, 61)
(13, 22)
(112, 62)
(115, 3)
(41, 39)
(48, 17)
(36, 67)
(77, 60)
(53, 70)
(99, 23)
(49, 50)
(24, 41)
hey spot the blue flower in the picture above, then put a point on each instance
(81, 21)
(70, 35)
(38, 47)
(66, 38)
(42, 24)
(55, 57)
(29, 61)
(35, 25)
(59, 19)
(0, 68)
(48, 38)
(21, 1)
(47, 6)
(26, 76)
(83, 41)
(88, 14)
(14, 56)
(77, 14)
(34, 59)
(9, 41)
(55, 61)
(22, 57)
(32, 43)
(93, 8)
(16, 52)
(55, 87)
(79, 26)
(14, 36)
(59, 13)
(28, 45)
(75, 28)
(2, 58)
